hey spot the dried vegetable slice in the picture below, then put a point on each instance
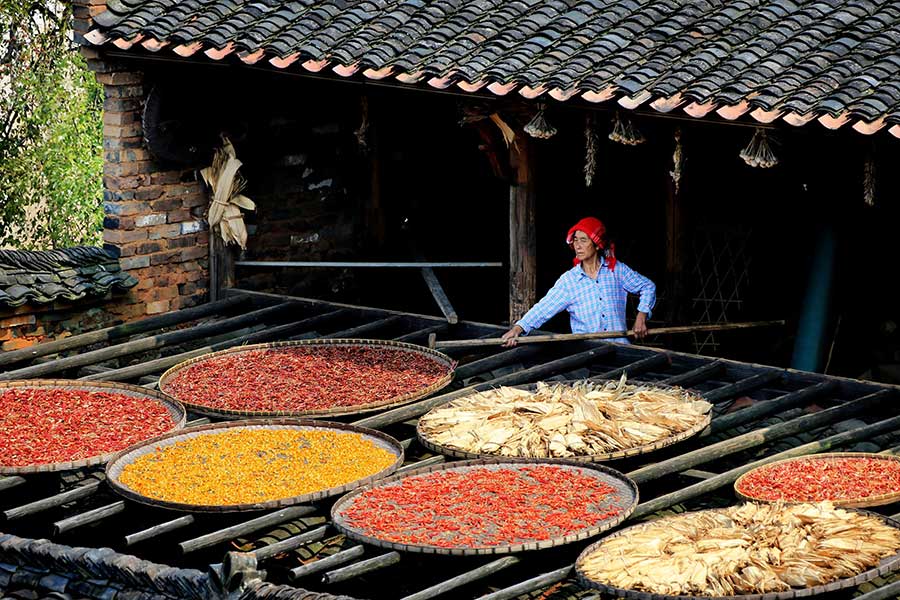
(487, 506)
(53, 425)
(245, 465)
(846, 479)
(305, 378)
(584, 419)
(746, 549)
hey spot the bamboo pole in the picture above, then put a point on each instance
(339, 558)
(291, 543)
(697, 375)
(88, 517)
(603, 335)
(530, 585)
(229, 533)
(158, 530)
(361, 568)
(464, 578)
(638, 366)
(744, 385)
(82, 491)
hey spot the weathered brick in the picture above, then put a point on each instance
(184, 241)
(166, 204)
(165, 177)
(182, 189)
(163, 293)
(151, 247)
(194, 200)
(120, 118)
(134, 262)
(124, 209)
(122, 131)
(126, 169)
(194, 253)
(160, 306)
(177, 216)
(122, 78)
(162, 258)
(123, 91)
(192, 227)
(130, 182)
(150, 219)
(122, 104)
(151, 192)
(123, 236)
(17, 321)
(186, 289)
(126, 143)
(165, 232)
(17, 344)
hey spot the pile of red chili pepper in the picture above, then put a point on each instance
(481, 507)
(306, 378)
(819, 479)
(41, 426)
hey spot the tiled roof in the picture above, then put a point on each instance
(68, 274)
(835, 61)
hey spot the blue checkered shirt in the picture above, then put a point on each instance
(594, 305)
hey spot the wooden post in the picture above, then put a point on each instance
(522, 230)
(221, 266)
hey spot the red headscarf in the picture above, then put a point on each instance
(594, 229)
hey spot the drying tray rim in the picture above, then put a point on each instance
(621, 478)
(394, 402)
(113, 467)
(176, 410)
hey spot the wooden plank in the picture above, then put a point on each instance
(247, 527)
(891, 590)
(496, 361)
(8, 483)
(363, 330)
(695, 376)
(158, 530)
(530, 585)
(109, 334)
(291, 543)
(522, 231)
(221, 266)
(765, 408)
(25, 510)
(744, 385)
(439, 295)
(361, 568)
(370, 264)
(423, 333)
(757, 437)
(427, 462)
(635, 368)
(398, 415)
(88, 517)
(161, 364)
(464, 579)
(323, 564)
(147, 343)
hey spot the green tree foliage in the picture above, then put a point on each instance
(51, 131)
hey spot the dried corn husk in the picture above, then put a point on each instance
(539, 127)
(590, 149)
(227, 201)
(745, 549)
(758, 152)
(561, 420)
(624, 132)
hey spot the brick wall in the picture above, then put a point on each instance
(154, 216)
(31, 324)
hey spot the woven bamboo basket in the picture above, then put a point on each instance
(116, 465)
(407, 398)
(175, 409)
(592, 458)
(861, 502)
(885, 566)
(625, 498)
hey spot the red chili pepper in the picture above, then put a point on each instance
(304, 379)
(481, 507)
(819, 479)
(51, 425)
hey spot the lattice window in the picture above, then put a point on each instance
(719, 279)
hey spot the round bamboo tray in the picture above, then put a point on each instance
(885, 566)
(176, 410)
(119, 461)
(625, 498)
(331, 412)
(860, 502)
(587, 458)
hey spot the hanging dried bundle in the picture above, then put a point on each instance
(624, 132)
(227, 201)
(362, 134)
(758, 152)
(590, 149)
(869, 180)
(677, 160)
(538, 127)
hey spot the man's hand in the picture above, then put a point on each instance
(511, 335)
(640, 326)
